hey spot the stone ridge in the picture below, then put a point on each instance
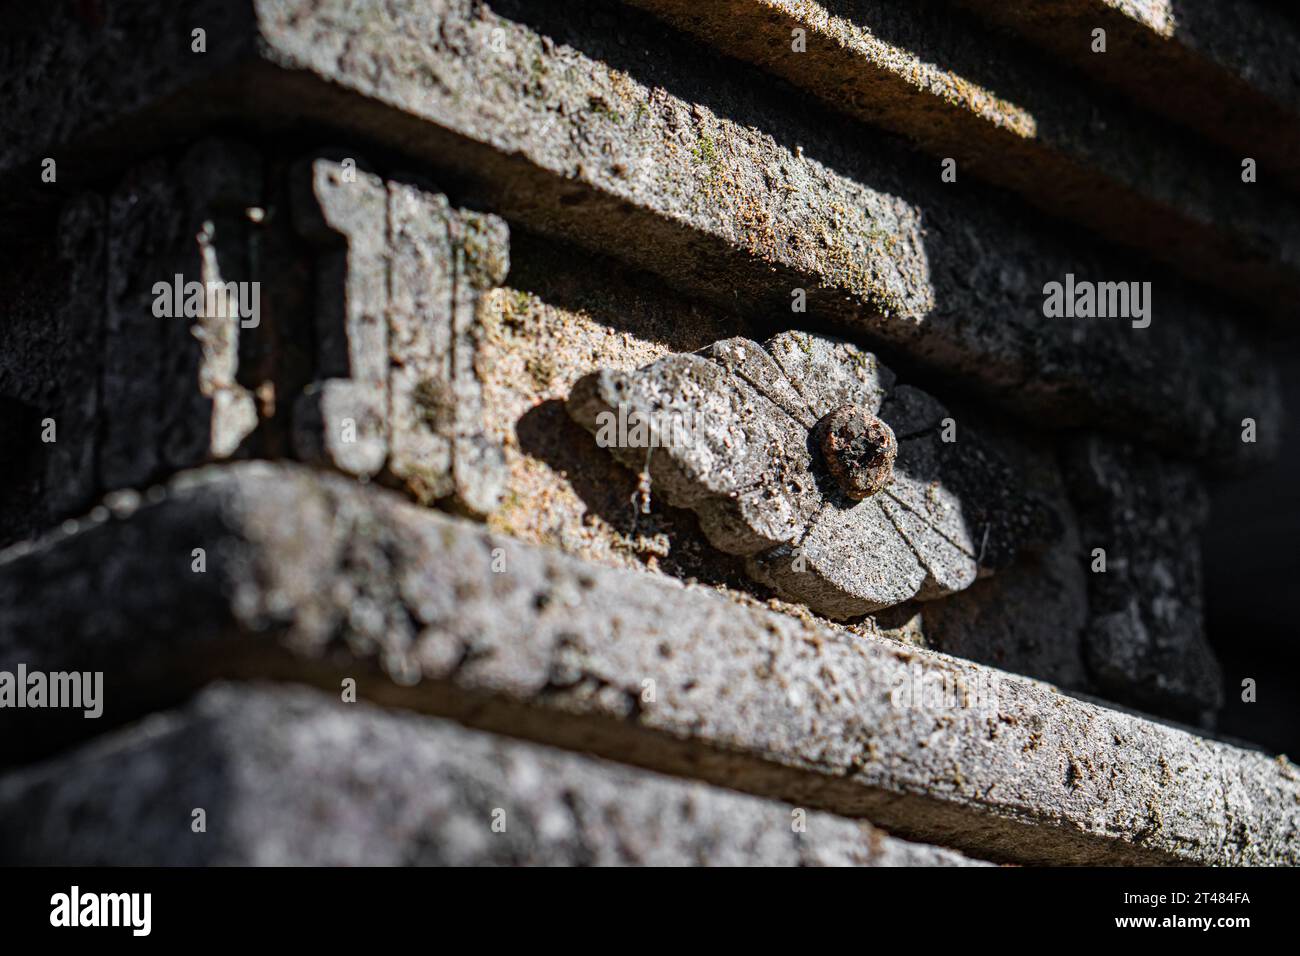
(914, 69)
(396, 361)
(314, 577)
(1218, 66)
(730, 191)
(291, 777)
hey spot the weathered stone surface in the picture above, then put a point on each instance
(49, 373)
(342, 418)
(1145, 644)
(481, 256)
(550, 326)
(400, 274)
(1029, 617)
(66, 74)
(1214, 65)
(170, 395)
(312, 576)
(70, 472)
(735, 192)
(927, 72)
(135, 384)
(113, 386)
(291, 777)
(755, 473)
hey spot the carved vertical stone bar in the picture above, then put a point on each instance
(482, 250)
(441, 263)
(341, 419)
(421, 293)
(396, 389)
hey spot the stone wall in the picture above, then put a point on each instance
(644, 432)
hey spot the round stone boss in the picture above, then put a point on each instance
(859, 450)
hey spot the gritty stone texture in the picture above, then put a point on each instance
(1145, 644)
(399, 274)
(753, 471)
(1031, 615)
(342, 418)
(291, 777)
(550, 327)
(374, 387)
(553, 325)
(132, 394)
(656, 151)
(859, 449)
(70, 472)
(1214, 65)
(169, 394)
(313, 576)
(929, 73)
(49, 373)
(66, 75)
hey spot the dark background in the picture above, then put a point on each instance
(1251, 585)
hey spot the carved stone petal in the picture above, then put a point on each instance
(855, 562)
(746, 359)
(910, 411)
(948, 568)
(741, 462)
(830, 372)
(920, 488)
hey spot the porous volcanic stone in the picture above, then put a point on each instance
(963, 92)
(132, 389)
(313, 577)
(366, 334)
(1145, 644)
(588, 122)
(292, 777)
(1213, 65)
(760, 480)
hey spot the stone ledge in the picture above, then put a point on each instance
(291, 777)
(916, 69)
(316, 578)
(1213, 65)
(734, 196)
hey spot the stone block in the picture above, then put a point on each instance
(174, 313)
(1208, 65)
(315, 577)
(963, 93)
(288, 776)
(729, 193)
(400, 275)
(1145, 644)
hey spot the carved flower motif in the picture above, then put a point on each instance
(752, 464)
